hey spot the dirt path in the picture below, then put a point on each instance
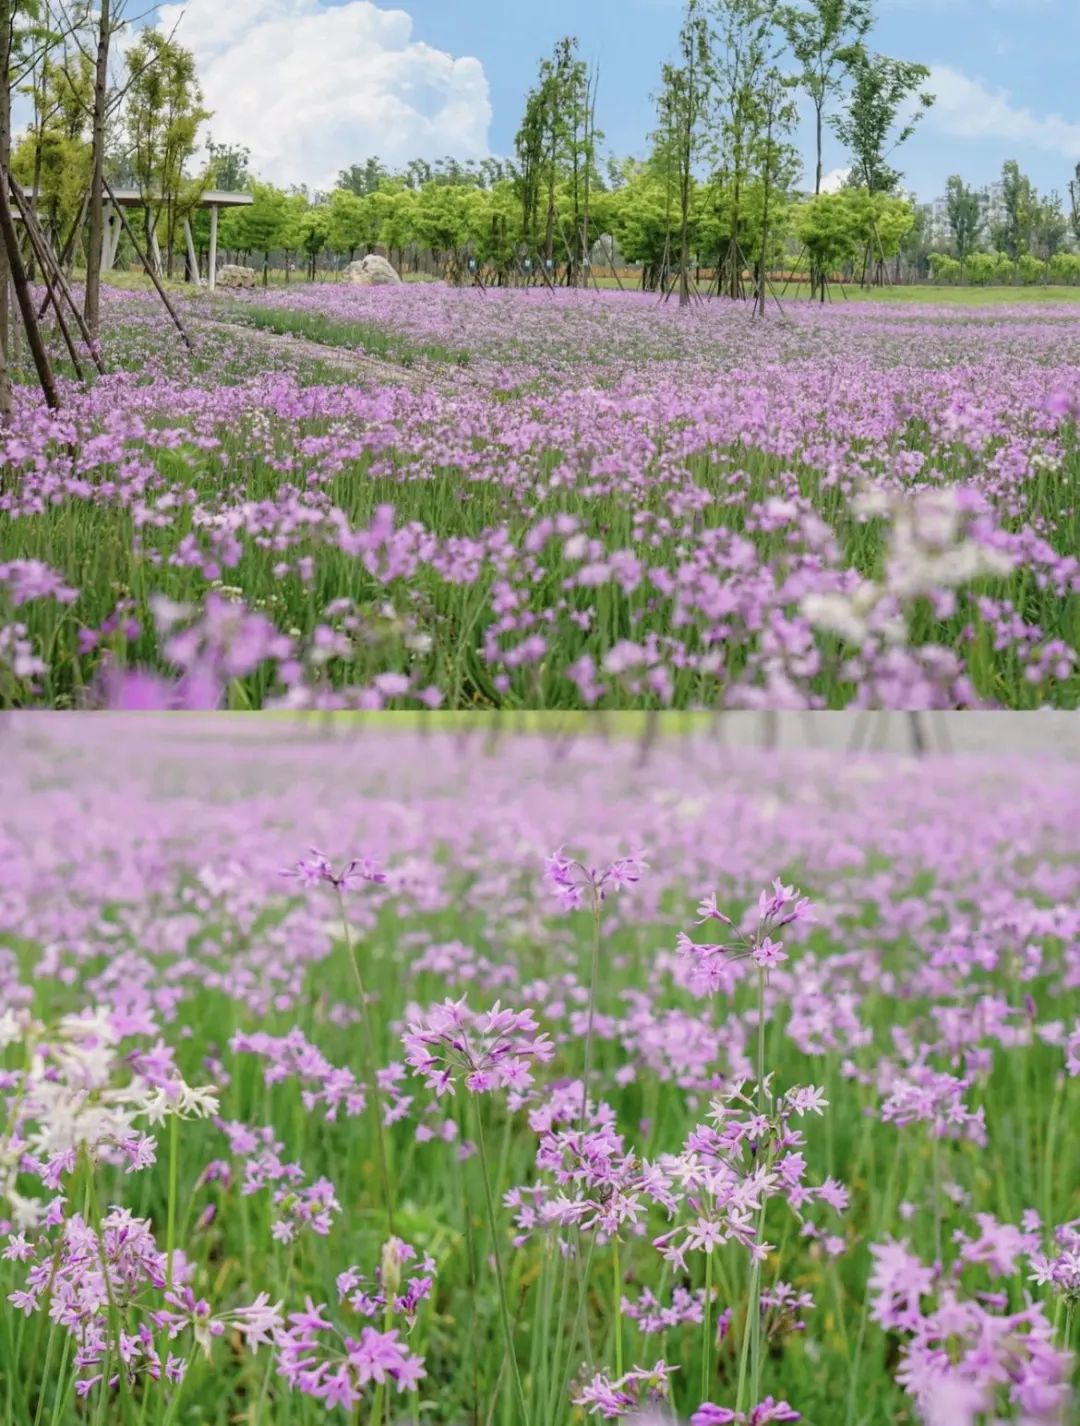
(343, 359)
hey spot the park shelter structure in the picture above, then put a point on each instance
(214, 199)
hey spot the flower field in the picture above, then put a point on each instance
(424, 497)
(560, 1083)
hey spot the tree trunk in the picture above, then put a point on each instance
(820, 164)
(92, 301)
(26, 299)
(5, 157)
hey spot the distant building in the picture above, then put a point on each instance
(991, 206)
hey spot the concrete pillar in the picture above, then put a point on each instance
(211, 275)
(112, 237)
(155, 250)
(108, 242)
(193, 260)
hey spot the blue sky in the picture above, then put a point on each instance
(1027, 48)
(313, 85)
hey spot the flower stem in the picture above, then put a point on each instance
(616, 1265)
(594, 977)
(375, 1106)
(706, 1332)
(174, 1194)
(504, 1304)
(751, 1342)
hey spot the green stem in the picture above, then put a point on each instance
(751, 1342)
(174, 1194)
(504, 1305)
(616, 1266)
(706, 1332)
(369, 1061)
(594, 978)
(575, 1331)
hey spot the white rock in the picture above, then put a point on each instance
(231, 274)
(372, 271)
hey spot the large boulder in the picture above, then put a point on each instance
(372, 271)
(231, 274)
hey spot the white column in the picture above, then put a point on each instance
(154, 248)
(108, 244)
(193, 261)
(212, 266)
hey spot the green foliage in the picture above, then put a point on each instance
(1065, 267)
(944, 268)
(836, 228)
(556, 147)
(989, 269)
(52, 157)
(1050, 227)
(259, 228)
(1012, 234)
(230, 166)
(163, 113)
(965, 217)
(882, 89)
(825, 41)
(352, 222)
(829, 228)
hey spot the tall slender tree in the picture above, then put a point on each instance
(1013, 232)
(965, 218)
(825, 39)
(163, 114)
(682, 104)
(1074, 204)
(871, 125)
(743, 49)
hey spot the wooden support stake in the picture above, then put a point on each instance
(69, 247)
(50, 291)
(25, 299)
(54, 273)
(148, 267)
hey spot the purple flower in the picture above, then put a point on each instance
(317, 869)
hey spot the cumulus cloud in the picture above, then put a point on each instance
(311, 88)
(966, 109)
(834, 180)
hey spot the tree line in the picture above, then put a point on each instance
(717, 200)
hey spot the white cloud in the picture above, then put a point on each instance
(966, 109)
(311, 88)
(834, 180)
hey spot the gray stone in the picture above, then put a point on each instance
(231, 274)
(372, 271)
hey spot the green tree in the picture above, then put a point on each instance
(311, 231)
(557, 144)
(682, 106)
(163, 114)
(1012, 234)
(362, 178)
(394, 219)
(870, 126)
(1074, 204)
(825, 40)
(965, 218)
(352, 222)
(53, 157)
(829, 228)
(639, 218)
(261, 227)
(23, 34)
(441, 222)
(742, 51)
(1049, 229)
(230, 166)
